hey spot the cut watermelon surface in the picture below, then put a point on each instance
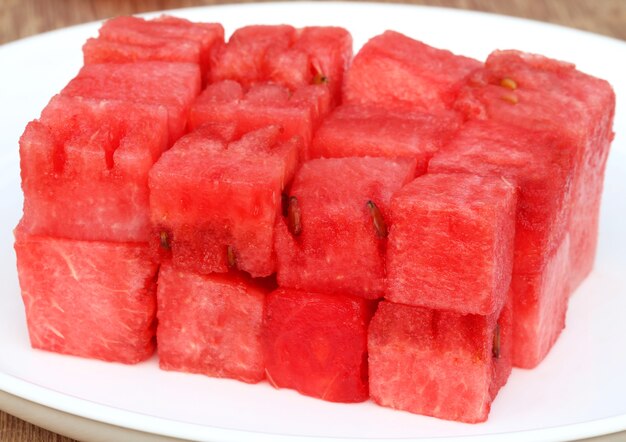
(393, 70)
(88, 298)
(317, 344)
(173, 85)
(210, 324)
(438, 363)
(451, 243)
(286, 56)
(85, 167)
(214, 202)
(333, 239)
(547, 95)
(366, 130)
(130, 39)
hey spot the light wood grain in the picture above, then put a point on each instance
(22, 18)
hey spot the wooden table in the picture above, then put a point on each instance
(21, 18)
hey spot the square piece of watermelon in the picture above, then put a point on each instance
(317, 344)
(393, 70)
(85, 167)
(451, 243)
(366, 130)
(536, 93)
(286, 56)
(438, 363)
(210, 324)
(172, 85)
(93, 299)
(214, 201)
(165, 38)
(334, 236)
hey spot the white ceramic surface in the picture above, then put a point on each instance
(578, 391)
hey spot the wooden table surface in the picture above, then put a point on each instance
(21, 18)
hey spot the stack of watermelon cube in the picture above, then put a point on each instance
(405, 226)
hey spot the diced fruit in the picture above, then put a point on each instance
(210, 324)
(286, 56)
(438, 363)
(451, 243)
(358, 131)
(539, 307)
(340, 202)
(88, 298)
(317, 344)
(548, 96)
(85, 167)
(173, 85)
(393, 70)
(130, 39)
(298, 114)
(214, 202)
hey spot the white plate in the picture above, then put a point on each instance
(579, 390)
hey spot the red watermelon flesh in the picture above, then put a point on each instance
(317, 344)
(214, 203)
(451, 243)
(286, 56)
(394, 70)
(339, 248)
(88, 298)
(298, 114)
(438, 363)
(85, 165)
(353, 130)
(533, 161)
(210, 324)
(548, 95)
(129, 39)
(173, 85)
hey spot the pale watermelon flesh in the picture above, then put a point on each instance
(367, 130)
(173, 85)
(393, 70)
(214, 202)
(317, 344)
(339, 249)
(166, 38)
(451, 243)
(438, 363)
(88, 298)
(210, 324)
(85, 167)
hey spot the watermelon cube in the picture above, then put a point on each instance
(85, 167)
(210, 324)
(165, 38)
(263, 104)
(365, 130)
(333, 239)
(393, 70)
(214, 201)
(537, 93)
(317, 344)
(93, 299)
(438, 363)
(286, 56)
(535, 162)
(451, 243)
(173, 85)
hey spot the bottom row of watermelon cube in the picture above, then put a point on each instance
(97, 299)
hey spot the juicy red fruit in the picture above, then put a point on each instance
(317, 344)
